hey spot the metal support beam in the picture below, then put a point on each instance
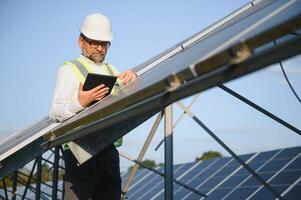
(15, 181)
(142, 152)
(168, 153)
(260, 109)
(29, 179)
(286, 78)
(21, 179)
(38, 177)
(55, 172)
(5, 189)
(63, 184)
(179, 119)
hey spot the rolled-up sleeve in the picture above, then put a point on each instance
(65, 102)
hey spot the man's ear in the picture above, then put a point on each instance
(80, 42)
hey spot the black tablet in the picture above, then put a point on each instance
(94, 80)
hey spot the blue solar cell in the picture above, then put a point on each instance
(254, 182)
(296, 164)
(140, 174)
(185, 168)
(148, 194)
(274, 166)
(266, 194)
(211, 183)
(184, 192)
(226, 171)
(233, 181)
(160, 197)
(156, 186)
(294, 194)
(148, 182)
(196, 182)
(289, 153)
(193, 196)
(265, 156)
(241, 193)
(179, 195)
(180, 191)
(208, 172)
(254, 166)
(193, 172)
(220, 161)
(286, 177)
(218, 193)
(214, 165)
(246, 157)
(194, 177)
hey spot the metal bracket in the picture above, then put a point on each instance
(49, 136)
(174, 82)
(240, 53)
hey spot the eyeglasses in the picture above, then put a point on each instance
(95, 44)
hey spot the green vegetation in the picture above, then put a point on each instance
(23, 176)
(148, 163)
(209, 155)
(205, 156)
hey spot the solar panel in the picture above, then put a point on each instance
(20, 148)
(243, 175)
(295, 192)
(285, 159)
(158, 188)
(141, 173)
(153, 83)
(143, 186)
(224, 178)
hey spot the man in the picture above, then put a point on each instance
(99, 177)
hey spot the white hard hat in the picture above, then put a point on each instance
(97, 27)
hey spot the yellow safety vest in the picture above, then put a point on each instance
(81, 70)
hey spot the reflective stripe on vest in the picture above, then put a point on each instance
(81, 71)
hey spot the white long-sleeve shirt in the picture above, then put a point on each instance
(65, 102)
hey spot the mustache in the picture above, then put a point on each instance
(101, 54)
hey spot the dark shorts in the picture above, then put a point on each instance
(98, 178)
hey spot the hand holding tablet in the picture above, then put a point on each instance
(95, 88)
(94, 80)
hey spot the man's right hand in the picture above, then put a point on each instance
(95, 94)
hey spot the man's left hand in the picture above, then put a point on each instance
(127, 76)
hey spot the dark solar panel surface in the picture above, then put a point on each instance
(225, 178)
(194, 53)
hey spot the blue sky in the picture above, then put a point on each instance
(38, 36)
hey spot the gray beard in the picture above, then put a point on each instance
(96, 60)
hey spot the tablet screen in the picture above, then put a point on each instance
(94, 80)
